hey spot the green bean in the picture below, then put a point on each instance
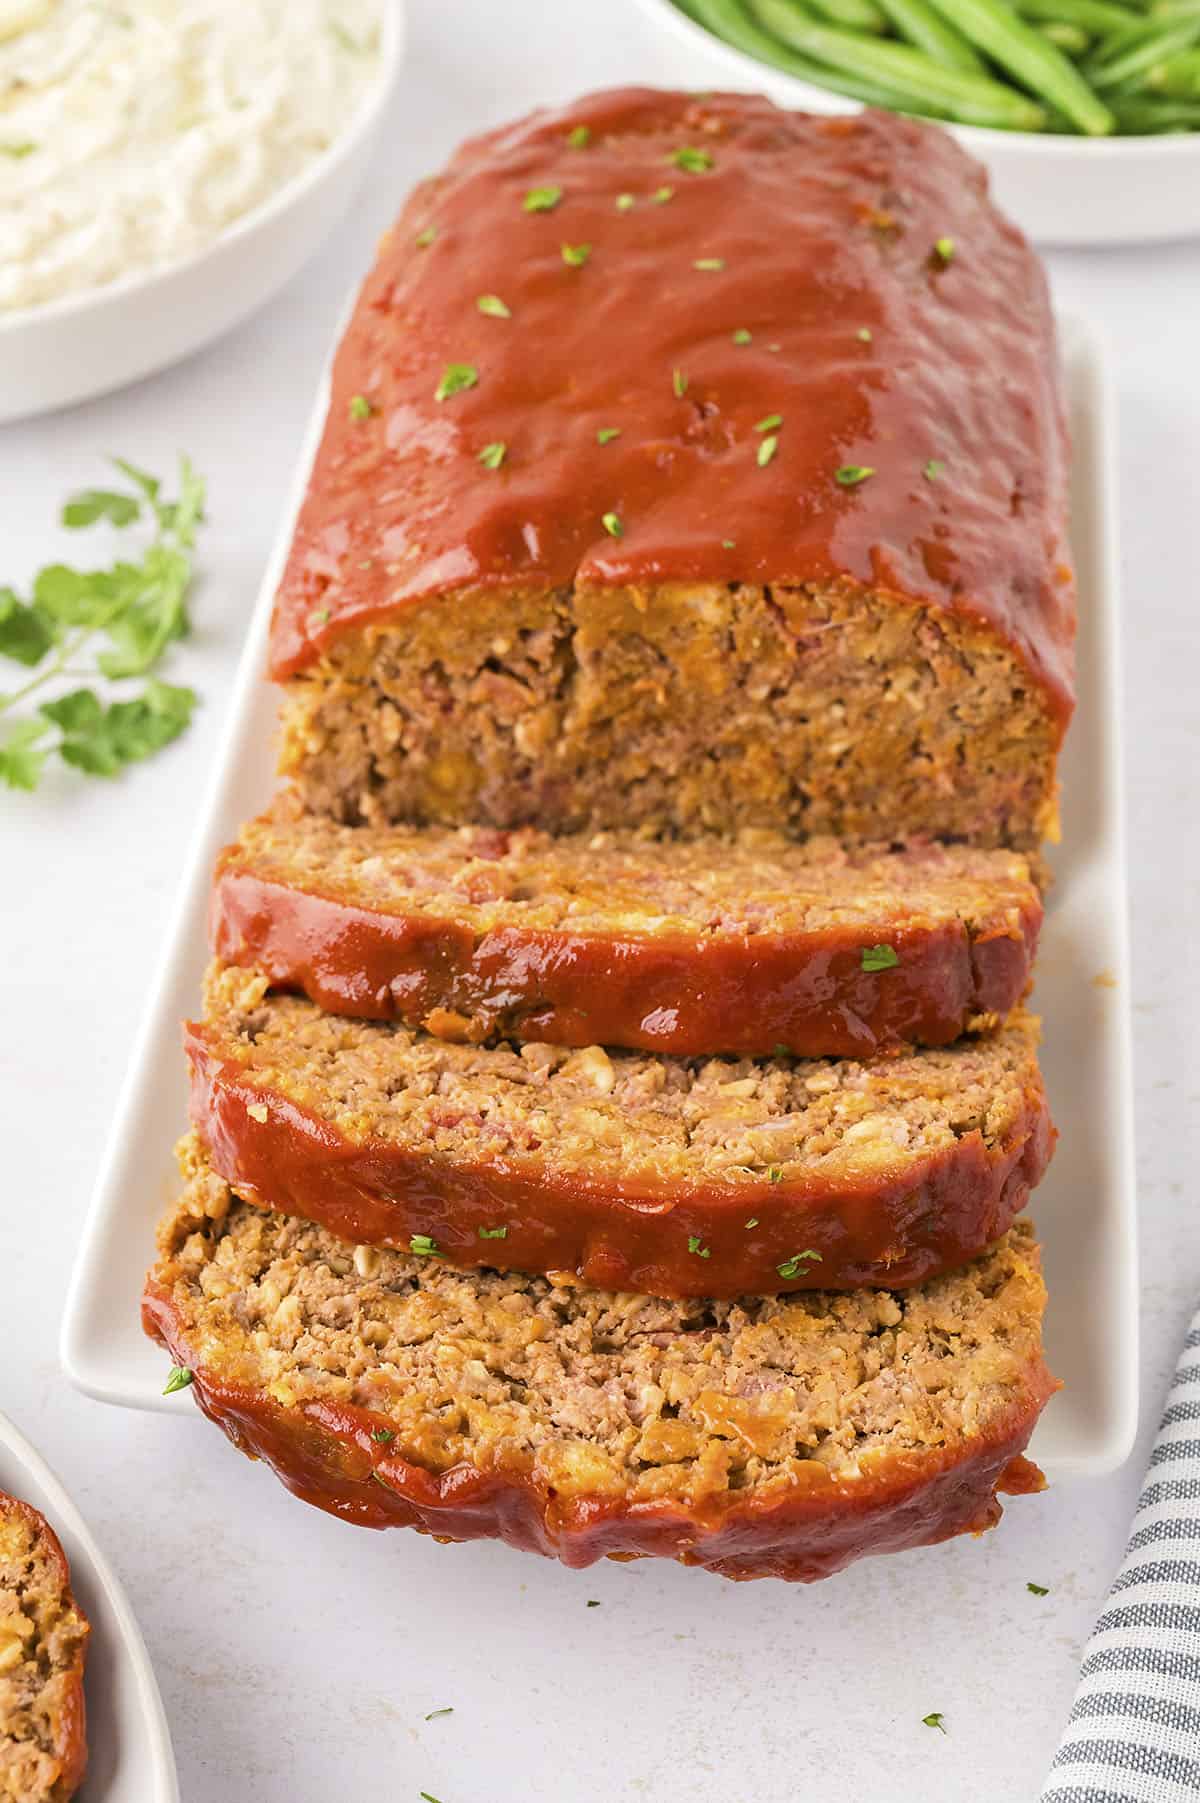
(1017, 47)
(969, 99)
(1100, 17)
(854, 15)
(917, 21)
(1145, 117)
(728, 20)
(1072, 39)
(1178, 77)
(1126, 62)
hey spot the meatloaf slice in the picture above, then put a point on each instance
(43, 1643)
(750, 511)
(674, 1176)
(765, 1436)
(689, 947)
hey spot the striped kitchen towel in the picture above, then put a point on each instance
(1134, 1731)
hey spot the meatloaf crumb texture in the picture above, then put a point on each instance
(678, 710)
(688, 1176)
(759, 1436)
(637, 619)
(43, 1641)
(690, 947)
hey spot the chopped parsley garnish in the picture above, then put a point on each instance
(179, 1379)
(542, 200)
(435, 1713)
(851, 474)
(382, 1435)
(1038, 1589)
(794, 1266)
(493, 455)
(612, 525)
(752, 1222)
(428, 1797)
(25, 148)
(880, 957)
(690, 158)
(576, 254)
(865, 334)
(360, 407)
(729, 544)
(593, 1602)
(624, 202)
(935, 1719)
(709, 263)
(679, 383)
(423, 1246)
(697, 1247)
(944, 250)
(455, 378)
(606, 434)
(780, 1051)
(767, 450)
(493, 1233)
(579, 137)
(661, 196)
(345, 38)
(493, 306)
(317, 618)
(775, 1175)
(742, 336)
(933, 469)
(425, 239)
(770, 423)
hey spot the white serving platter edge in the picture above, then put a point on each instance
(1085, 1210)
(129, 1746)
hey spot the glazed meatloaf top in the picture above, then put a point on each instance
(661, 338)
(691, 947)
(763, 1434)
(43, 1640)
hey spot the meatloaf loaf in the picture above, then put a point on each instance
(43, 1643)
(777, 1436)
(704, 1177)
(689, 947)
(690, 465)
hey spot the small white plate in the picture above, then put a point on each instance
(1059, 189)
(88, 344)
(129, 1747)
(1086, 1209)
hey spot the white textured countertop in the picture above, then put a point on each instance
(298, 1658)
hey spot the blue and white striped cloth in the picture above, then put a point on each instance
(1134, 1731)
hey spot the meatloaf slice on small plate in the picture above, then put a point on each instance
(747, 947)
(687, 1177)
(43, 1644)
(767, 1436)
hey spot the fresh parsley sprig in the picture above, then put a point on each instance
(136, 608)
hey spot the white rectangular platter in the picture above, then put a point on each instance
(1085, 1211)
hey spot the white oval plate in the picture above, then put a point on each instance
(1086, 1209)
(88, 344)
(129, 1745)
(1061, 190)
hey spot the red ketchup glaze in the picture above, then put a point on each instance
(824, 228)
(745, 995)
(886, 1232)
(325, 1454)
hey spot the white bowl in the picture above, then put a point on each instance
(1060, 190)
(88, 344)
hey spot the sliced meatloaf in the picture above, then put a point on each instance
(43, 1643)
(776, 1436)
(691, 465)
(689, 947)
(669, 1175)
